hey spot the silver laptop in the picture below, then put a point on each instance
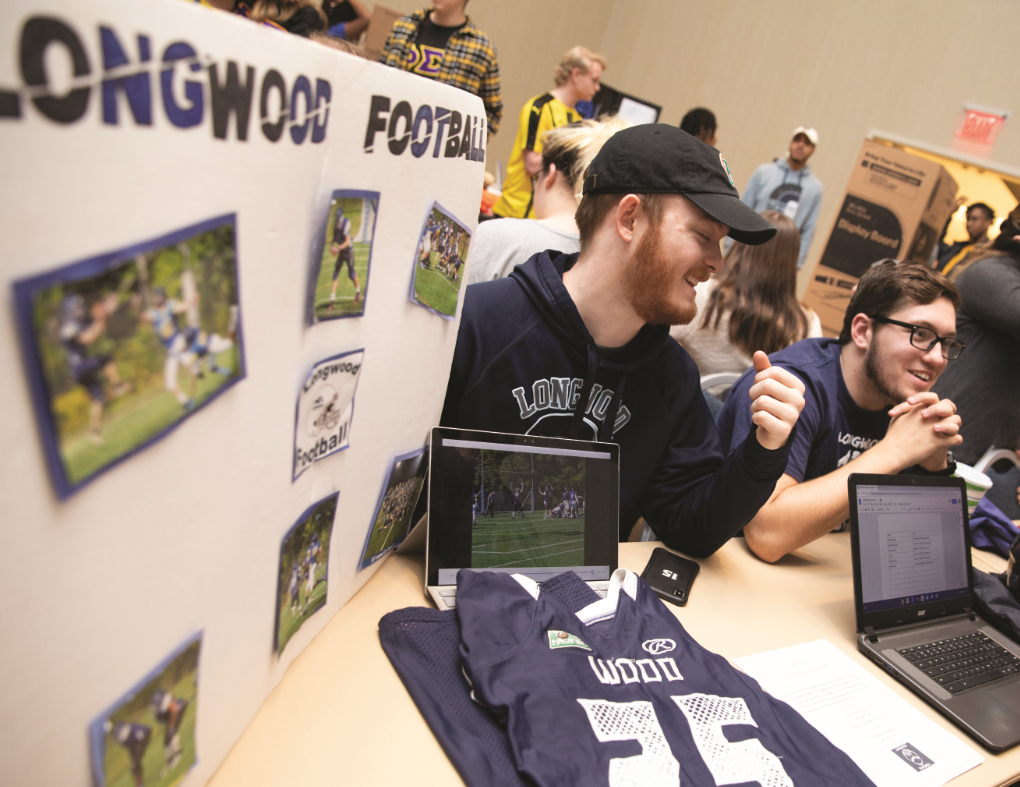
(520, 504)
(915, 603)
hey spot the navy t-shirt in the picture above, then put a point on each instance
(831, 431)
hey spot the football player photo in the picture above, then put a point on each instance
(341, 271)
(440, 261)
(399, 496)
(147, 739)
(304, 563)
(123, 347)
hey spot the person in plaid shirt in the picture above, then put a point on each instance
(442, 43)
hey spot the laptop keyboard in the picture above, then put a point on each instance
(960, 663)
(450, 595)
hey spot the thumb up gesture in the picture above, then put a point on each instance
(777, 397)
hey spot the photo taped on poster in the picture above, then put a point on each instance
(440, 261)
(341, 269)
(147, 737)
(397, 501)
(325, 408)
(304, 570)
(122, 347)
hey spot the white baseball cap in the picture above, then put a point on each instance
(808, 132)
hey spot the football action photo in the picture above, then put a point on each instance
(439, 262)
(123, 347)
(396, 505)
(341, 276)
(527, 510)
(304, 561)
(148, 738)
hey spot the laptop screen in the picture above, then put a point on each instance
(516, 504)
(912, 545)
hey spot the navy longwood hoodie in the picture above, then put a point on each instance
(525, 363)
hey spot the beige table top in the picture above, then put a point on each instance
(342, 716)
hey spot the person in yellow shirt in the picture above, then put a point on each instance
(577, 78)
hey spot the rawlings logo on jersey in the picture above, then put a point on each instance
(563, 639)
(657, 646)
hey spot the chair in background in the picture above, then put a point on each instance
(1004, 485)
(716, 387)
(992, 456)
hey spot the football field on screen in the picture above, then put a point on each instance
(502, 542)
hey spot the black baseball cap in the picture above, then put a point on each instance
(657, 158)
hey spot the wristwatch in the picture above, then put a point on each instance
(949, 469)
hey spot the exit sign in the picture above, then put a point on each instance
(978, 127)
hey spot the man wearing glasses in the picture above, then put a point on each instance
(868, 406)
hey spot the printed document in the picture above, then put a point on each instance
(889, 739)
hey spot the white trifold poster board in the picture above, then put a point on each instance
(202, 222)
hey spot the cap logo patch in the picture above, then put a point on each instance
(726, 169)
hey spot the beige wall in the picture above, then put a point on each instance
(843, 66)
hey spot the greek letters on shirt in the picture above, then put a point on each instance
(560, 395)
(424, 59)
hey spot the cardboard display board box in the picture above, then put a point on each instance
(895, 207)
(379, 30)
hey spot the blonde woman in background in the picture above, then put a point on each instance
(501, 244)
(749, 305)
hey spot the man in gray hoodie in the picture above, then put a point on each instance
(788, 186)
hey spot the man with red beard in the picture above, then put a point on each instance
(577, 345)
(868, 406)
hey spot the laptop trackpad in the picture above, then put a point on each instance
(1009, 696)
(994, 714)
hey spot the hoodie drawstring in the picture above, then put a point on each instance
(582, 403)
(609, 424)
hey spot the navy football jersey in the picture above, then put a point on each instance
(618, 693)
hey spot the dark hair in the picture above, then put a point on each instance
(989, 213)
(594, 207)
(888, 284)
(1006, 240)
(758, 286)
(697, 120)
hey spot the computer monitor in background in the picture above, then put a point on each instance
(609, 101)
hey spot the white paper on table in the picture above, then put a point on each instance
(878, 729)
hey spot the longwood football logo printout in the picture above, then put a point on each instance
(325, 408)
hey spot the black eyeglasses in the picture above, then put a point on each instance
(925, 338)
